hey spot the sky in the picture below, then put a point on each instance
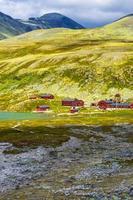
(89, 13)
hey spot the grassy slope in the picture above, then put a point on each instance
(88, 64)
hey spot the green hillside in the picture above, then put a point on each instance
(88, 64)
(121, 28)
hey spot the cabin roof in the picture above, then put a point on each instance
(109, 101)
(46, 95)
(44, 106)
(121, 104)
(69, 99)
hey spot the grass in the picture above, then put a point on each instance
(55, 131)
(89, 64)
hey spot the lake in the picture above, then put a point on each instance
(23, 116)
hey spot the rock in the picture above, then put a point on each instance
(17, 187)
(131, 192)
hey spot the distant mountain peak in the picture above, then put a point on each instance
(53, 13)
(57, 20)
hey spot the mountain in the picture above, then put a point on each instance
(10, 27)
(122, 28)
(52, 20)
(90, 64)
(125, 22)
(56, 20)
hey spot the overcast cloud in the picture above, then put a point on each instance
(86, 12)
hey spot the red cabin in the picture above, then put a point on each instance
(47, 96)
(42, 108)
(73, 102)
(110, 104)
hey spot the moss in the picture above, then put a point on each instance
(13, 151)
(55, 131)
(34, 136)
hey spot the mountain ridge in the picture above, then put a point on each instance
(58, 20)
(52, 20)
(125, 16)
(11, 27)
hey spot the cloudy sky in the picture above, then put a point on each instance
(86, 12)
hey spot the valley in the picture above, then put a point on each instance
(60, 155)
(89, 65)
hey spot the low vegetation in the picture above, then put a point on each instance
(55, 130)
(87, 64)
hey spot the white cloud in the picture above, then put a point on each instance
(84, 11)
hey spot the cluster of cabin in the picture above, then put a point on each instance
(115, 103)
(76, 104)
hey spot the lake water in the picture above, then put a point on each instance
(23, 116)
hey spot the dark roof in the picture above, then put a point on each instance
(45, 95)
(109, 101)
(69, 99)
(44, 106)
(120, 104)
